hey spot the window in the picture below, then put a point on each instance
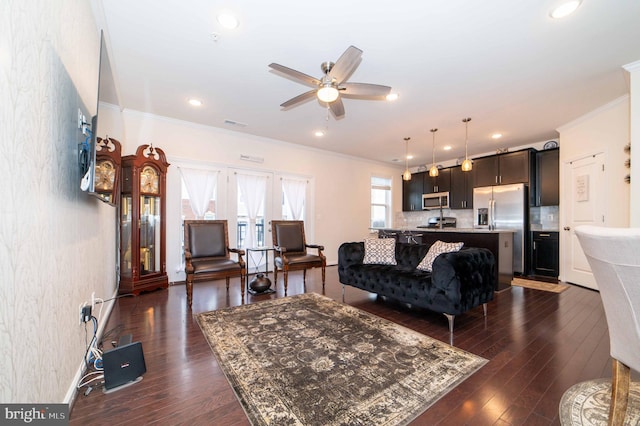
(380, 202)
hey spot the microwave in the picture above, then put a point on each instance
(435, 200)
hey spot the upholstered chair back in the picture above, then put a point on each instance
(207, 238)
(614, 258)
(290, 235)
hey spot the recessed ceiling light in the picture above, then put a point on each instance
(392, 96)
(195, 102)
(447, 147)
(565, 9)
(319, 133)
(228, 20)
(496, 136)
(409, 157)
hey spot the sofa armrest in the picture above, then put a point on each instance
(469, 274)
(350, 254)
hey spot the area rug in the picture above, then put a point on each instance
(308, 360)
(539, 285)
(587, 404)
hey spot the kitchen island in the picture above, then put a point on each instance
(500, 242)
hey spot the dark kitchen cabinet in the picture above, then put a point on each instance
(503, 169)
(545, 257)
(461, 192)
(547, 178)
(412, 192)
(485, 171)
(440, 183)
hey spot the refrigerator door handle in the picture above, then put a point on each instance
(493, 215)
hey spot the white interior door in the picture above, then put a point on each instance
(584, 201)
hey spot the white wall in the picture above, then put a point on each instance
(342, 184)
(56, 243)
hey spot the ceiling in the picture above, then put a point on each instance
(504, 63)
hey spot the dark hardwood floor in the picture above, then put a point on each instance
(538, 344)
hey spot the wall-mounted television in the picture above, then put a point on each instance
(88, 147)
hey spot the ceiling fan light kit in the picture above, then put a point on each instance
(328, 93)
(333, 85)
(467, 165)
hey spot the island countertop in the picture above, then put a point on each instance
(498, 241)
(452, 230)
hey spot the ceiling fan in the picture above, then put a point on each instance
(331, 87)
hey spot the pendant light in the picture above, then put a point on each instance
(407, 174)
(433, 171)
(466, 164)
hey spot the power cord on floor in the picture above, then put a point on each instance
(92, 359)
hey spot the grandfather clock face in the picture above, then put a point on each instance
(149, 180)
(105, 175)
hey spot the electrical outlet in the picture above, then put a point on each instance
(85, 313)
(93, 300)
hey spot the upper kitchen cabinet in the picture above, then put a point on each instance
(547, 192)
(461, 192)
(412, 192)
(504, 169)
(440, 183)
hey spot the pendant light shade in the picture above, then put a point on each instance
(407, 174)
(433, 171)
(466, 164)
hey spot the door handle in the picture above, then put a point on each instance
(567, 228)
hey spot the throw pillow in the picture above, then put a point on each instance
(380, 251)
(439, 247)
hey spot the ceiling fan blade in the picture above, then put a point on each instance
(364, 90)
(346, 64)
(337, 108)
(298, 99)
(295, 75)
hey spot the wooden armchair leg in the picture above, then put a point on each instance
(286, 273)
(227, 280)
(304, 277)
(323, 276)
(242, 282)
(619, 393)
(189, 287)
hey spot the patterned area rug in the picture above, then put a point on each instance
(307, 360)
(539, 285)
(587, 404)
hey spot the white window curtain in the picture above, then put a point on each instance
(201, 187)
(253, 190)
(294, 195)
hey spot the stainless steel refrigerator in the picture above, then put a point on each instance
(504, 207)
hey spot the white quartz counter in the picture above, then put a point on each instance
(452, 230)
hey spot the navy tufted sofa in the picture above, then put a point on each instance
(459, 282)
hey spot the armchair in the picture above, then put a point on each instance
(614, 257)
(207, 254)
(290, 250)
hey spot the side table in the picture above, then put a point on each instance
(260, 284)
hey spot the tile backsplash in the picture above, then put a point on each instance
(407, 220)
(545, 218)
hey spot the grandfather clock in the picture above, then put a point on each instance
(142, 221)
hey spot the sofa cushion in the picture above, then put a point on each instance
(435, 250)
(379, 251)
